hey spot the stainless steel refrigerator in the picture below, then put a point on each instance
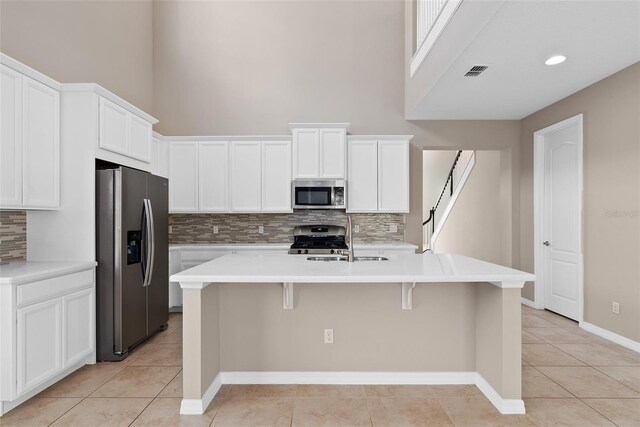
(133, 258)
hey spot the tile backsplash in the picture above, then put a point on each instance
(278, 228)
(13, 236)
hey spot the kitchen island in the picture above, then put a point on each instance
(411, 319)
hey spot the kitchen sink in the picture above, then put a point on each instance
(370, 258)
(342, 258)
(326, 258)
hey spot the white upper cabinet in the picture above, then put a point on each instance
(378, 179)
(319, 152)
(213, 195)
(123, 132)
(333, 144)
(41, 145)
(245, 164)
(362, 180)
(393, 176)
(30, 144)
(276, 176)
(163, 159)
(306, 147)
(139, 139)
(183, 176)
(113, 127)
(11, 137)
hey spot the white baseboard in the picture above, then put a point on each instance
(611, 336)
(349, 378)
(198, 406)
(505, 406)
(528, 302)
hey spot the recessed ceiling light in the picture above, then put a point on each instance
(555, 60)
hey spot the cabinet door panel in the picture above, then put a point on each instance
(246, 175)
(306, 149)
(77, 331)
(39, 341)
(163, 159)
(362, 182)
(41, 144)
(10, 137)
(393, 176)
(332, 153)
(183, 177)
(276, 176)
(139, 138)
(214, 176)
(113, 127)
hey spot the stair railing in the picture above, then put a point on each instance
(429, 225)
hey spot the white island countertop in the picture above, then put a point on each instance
(18, 272)
(414, 268)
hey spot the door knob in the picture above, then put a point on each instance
(546, 243)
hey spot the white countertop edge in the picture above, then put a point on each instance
(199, 282)
(19, 272)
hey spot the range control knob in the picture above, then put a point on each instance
(299, 251)
(332, 251)
(306, 251)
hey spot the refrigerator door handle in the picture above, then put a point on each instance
(152, 238)
(148, 243)
(144, 247)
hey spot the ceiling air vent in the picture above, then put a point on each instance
(476, 70)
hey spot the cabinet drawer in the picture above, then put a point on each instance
(50, 288)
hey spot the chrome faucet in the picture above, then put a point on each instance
(349, 252)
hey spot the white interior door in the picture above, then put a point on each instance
(561, 228)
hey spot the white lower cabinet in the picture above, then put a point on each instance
(47, 331)
(78, 333)
(39, 343)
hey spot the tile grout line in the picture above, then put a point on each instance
(586, 365)
(65, 412)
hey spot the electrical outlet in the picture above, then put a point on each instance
(170, 229)
(356, 228)
(215, 229)
(261, 229)
(328, 336)
(615, 308)
(393, 228)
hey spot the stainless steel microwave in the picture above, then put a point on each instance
(319, 193)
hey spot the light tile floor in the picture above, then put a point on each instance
(570, 378)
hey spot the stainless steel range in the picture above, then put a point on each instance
(318, 239)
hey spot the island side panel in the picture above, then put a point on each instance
(201, 340)
(498, 339)
(371, 331)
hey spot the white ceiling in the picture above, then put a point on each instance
(599, 38)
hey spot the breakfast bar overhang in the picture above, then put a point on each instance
(452, 320)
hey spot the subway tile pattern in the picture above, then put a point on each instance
(13, 236)
(278, 228)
